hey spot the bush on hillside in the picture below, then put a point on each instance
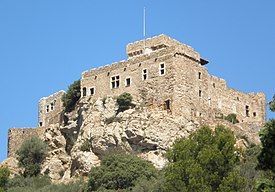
(232, 118)
(124, 101)
(205, 161)
(72, 96)
(119, 172)
(30, 156)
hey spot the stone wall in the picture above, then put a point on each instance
(50, 109)
(186, 87)
(17, 136)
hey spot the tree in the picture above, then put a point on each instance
(124, 101)
(272, 104)
(30, 156)
(72, 96)
(119, 172)
(203, 162)
(4, 176)
(267, 156)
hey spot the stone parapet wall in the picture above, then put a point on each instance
(16, 137)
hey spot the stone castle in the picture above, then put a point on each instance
(163, 74)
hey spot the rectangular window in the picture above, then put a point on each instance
(84, 91)
(199, 75)
(200, 93)
(247, 110)
(92, 91)
(161, 69)
(127, 82)
(115, 82)
(144, 74)
(167, 105)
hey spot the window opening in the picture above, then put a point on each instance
(92, 91)
(128, 82)
(214, 85)
(108, 73)
(254, 114)
(199, 75)
(144, 74)
(48, 108)
(162, 69)
(95, 77)
(115, 82)
(40, 124)
(200, 93)
(124, 69)
(167, 105)
(247, 110)
(52, 106)
(84, 91)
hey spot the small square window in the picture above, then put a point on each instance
(127, 82)
(162, 69)
(92, 91)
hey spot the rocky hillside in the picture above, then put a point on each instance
(95, 129)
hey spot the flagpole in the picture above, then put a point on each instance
(144, 27)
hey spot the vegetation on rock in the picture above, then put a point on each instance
(124, 101)
(30, 156)
(272, 104)
(120, 172)
(205, 161)
(232, 118)
(4, 176)
(72, 96)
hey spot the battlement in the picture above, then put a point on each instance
(156, 43)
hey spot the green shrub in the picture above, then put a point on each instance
(232, 118)
(119, 172)
(112, 119)
(205, 161)
(28, 184)
(4, 176)
(124, 101)
(86, 145)
(43, 184)
(30, 156)
(72, 96)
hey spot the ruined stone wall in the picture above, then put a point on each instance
(50, 109)
(17, 136)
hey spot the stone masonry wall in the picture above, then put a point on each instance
(17, 136)
(186, 84)
(50, 109)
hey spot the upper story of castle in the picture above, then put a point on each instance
(166, 75)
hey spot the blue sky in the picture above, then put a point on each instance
(45, 45)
